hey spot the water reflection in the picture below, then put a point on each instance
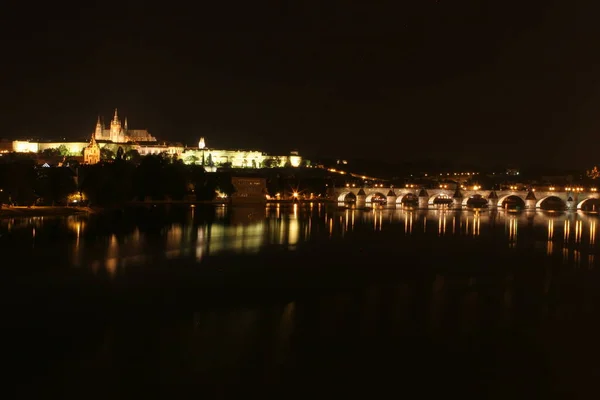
(199, 232)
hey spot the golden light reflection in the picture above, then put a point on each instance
(174, 236)
(550, 229)
(293, 232)
(476, 224)
(591, 261)
(592, 231)
(408, 222)
(512, 229)
(577, 258)
(578, 229)
(330, 227)
(111, 266)
(347, 218)
(567, 230)
(113, 246)
(200, 239)
(442, 224)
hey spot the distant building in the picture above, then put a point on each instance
(118, 133)
(91, 154)
(213, 158)
(249, 190)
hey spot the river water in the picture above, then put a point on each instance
(302, 300)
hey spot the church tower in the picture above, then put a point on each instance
(201, 144)
(98, 132)
(115, 128)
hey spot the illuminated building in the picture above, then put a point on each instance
(213, 158)
(119, 135)
(91, 154)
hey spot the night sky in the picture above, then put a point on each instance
(488, 81)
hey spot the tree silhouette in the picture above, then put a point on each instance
(106, 154)
(63, 150)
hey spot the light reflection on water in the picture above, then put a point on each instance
(571, 236)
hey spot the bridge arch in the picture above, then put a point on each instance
(562, 204)
(376, 195)
(406, 198)
(346, 196)
(476, 200)
(587, 201)
(513, 197)
(442, 198)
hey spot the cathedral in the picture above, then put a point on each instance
(118, 133)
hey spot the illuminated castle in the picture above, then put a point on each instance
(118, 133)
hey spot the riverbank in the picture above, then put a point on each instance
(37, 211)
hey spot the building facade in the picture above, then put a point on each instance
(213, 158)
(249, 190)
(91, 154)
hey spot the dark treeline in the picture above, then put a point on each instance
(154, 177)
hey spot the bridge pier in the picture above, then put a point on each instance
(493, 201)
(391, 200)
(457, 200)
(361, 199)
(423, 199)
(530, 201)
(570, 203)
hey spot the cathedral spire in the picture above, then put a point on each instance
(116, 118)
(125, 126)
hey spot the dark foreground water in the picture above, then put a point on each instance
(301, 301)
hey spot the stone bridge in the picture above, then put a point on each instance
(531, 199)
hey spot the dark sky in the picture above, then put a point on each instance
(487, 81)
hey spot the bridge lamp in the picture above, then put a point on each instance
(295, 194)
(354, 185)
(347, 185)
(592, 189)
(551, 188)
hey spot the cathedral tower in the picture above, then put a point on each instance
(98, 132)
(115, 128)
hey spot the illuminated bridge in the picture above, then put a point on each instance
(569, 198)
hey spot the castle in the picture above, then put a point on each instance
(118, 133)
(109, 140)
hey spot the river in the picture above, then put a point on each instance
(301, 300)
